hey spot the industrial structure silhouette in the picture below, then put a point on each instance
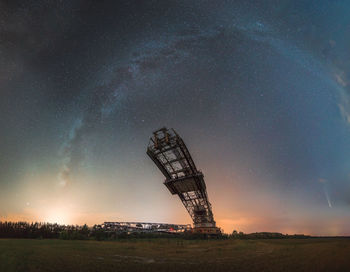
(170, 154)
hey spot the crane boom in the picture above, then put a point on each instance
(170, 154)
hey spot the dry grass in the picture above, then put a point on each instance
(175, 255)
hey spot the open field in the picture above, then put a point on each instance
(176, 255)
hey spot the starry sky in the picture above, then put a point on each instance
(258, 90)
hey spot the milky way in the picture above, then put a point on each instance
(258, 91)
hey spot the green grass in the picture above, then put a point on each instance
(175, 255)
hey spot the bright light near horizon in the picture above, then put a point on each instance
(58, 215)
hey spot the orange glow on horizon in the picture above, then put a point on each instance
(242, 208)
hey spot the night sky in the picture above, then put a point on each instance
(260, 93)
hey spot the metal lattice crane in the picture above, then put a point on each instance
(169, 152)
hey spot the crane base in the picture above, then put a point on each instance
(207, 230)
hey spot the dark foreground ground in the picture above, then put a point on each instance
(175, 255)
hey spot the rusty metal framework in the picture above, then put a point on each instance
(170, 154)
(144, 227)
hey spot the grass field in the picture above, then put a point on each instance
(175, 255)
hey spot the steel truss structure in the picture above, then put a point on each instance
(144, 227)
(170, 154)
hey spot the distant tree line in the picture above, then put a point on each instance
(42, 230)
(265, 235)
(76, 232)
(97, 232)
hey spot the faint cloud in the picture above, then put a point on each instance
(344, 112)
(344, 95)
(341, 79)
(344, 106)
